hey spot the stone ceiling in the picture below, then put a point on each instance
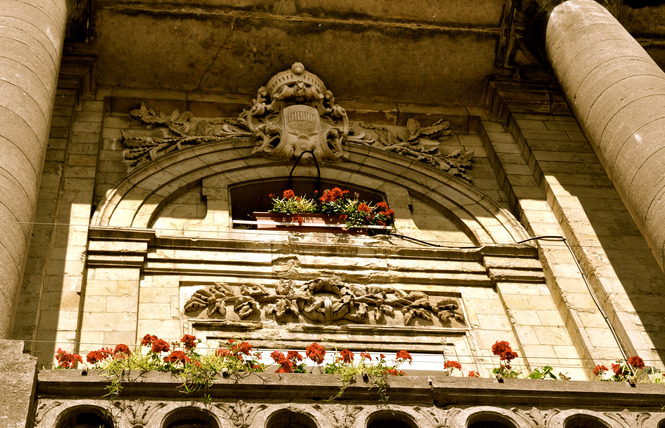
(412, 51)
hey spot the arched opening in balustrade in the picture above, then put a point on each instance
(489, 420)
(584, 421)
(190, 417)
(84, 417)
(290, 419)
(390, 419)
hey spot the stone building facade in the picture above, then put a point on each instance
(519, 144)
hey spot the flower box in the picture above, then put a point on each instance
(312, 222)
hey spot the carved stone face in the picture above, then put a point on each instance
(301, 128)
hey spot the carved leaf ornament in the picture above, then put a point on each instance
(324, 301)
(294, 115)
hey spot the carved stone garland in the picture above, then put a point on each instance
(294, 114)
(324, 301)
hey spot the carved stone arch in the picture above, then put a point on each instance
(472, 415)
(562, 419)
(135, 201)
(392, 418)
(84, 415)
(287, 417)
(194, 416)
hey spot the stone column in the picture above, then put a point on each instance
(32, 33)
(617, 93)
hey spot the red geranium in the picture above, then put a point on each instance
(503, 350)
(148, 339)
(450, 364)
(241, 348)
(66, 360)
(366, 355)
(94, 357)
(617, 369)
(177, 357)
(315, 352)
(288, 194)
(394, 372)
(636, 362)
(404, 355)
(599, 370)
(121, 350)
(285, 366)
(345, 356)
(473, 373)
(189, 341)
(160, 345)
(294, 356)
(364, 208)
(382, 205)
(223, 352)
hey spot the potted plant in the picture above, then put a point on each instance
(332, 211)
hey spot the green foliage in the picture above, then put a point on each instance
(335, 202)
(544, 372)
(375, 374)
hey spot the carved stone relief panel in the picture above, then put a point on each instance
(324, 301)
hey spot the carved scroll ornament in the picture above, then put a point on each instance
(325, 301)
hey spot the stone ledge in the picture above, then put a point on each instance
(425, 390)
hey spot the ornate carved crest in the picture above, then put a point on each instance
(326, 301)
(295, 114)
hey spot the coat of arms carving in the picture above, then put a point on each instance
(294, 114)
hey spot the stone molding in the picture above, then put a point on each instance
(438, 400)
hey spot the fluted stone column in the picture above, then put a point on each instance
(617, 93)
(31, 37)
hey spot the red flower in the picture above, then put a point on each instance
(403, 356)
(278, 357)
(366, 355)
(381, 356)
(288, 194)
(67, 360)
(473, 373)
(189, 341)
(315, 352)
(503, 350)
(147, 340)
(388, 212)
(500, 347)
(508, 356)
(364, 208)
(223, 352)
(285, 367)
(394, 372)
(617, 369)
(382, 205)
(636, 362)
(345, 356)
(177, 357)
(94, 357)
(294, 356)
(121, 350)
(599, 370)
(241, 348)
(452, 365)
(160, 345)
